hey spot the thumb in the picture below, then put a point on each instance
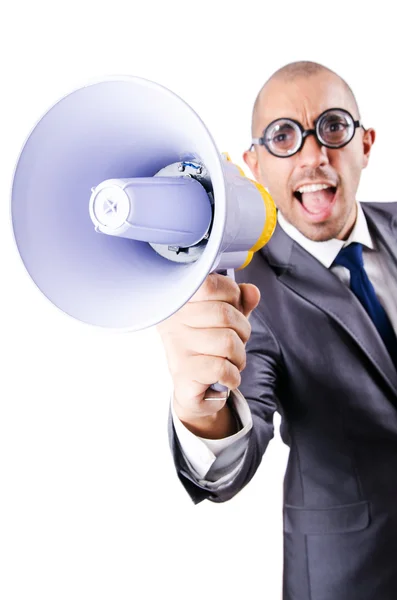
(250, 297)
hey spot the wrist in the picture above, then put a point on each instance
(218, 425)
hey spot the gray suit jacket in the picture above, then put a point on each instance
(315, 356)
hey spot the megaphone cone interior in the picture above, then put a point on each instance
(120, 128)
(115, 131)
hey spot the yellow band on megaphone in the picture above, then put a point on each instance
(247, 261)
(271, 214)
(271, 217)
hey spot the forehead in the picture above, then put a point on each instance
(303, 99)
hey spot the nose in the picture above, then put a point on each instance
(312, 154)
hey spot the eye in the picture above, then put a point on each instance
(282, 137)
(335, 126)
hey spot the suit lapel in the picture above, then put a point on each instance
(307, 277)
(383, 224)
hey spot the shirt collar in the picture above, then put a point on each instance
(326, 252)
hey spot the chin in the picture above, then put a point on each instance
(321, 235)
(322, 232)
(327, 229)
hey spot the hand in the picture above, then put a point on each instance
(205, 343)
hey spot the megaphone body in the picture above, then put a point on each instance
(122, 205)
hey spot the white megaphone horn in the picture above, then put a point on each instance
(122, 205)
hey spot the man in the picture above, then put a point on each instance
(308, 329)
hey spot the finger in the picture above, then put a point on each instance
(215, 315)
(201, 371)
(219, 287)
(224, 343)
(250, 297)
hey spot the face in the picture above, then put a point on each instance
(318, 214)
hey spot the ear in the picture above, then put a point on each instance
(251, 159)
(368, 139)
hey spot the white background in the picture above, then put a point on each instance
(90, 506)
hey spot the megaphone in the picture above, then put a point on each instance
(122, 205)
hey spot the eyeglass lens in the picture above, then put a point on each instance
(334, 129)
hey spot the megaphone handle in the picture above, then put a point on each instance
(217, 387)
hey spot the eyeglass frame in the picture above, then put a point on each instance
(261, 141)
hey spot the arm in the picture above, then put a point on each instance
(259, 387)
(215, 461)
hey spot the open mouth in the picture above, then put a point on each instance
(317, 203)
(298, 195)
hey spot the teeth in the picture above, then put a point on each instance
(313, 188)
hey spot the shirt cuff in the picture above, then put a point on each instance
(201, 453)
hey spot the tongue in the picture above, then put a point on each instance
(316, 202)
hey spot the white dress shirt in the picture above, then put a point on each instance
(225, 456)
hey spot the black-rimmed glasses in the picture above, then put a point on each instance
(284, 137)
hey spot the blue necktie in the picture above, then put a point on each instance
(351, 257)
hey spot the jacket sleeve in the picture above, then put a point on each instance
(259, 387)
(215, 460)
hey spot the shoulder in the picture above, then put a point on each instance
(380, 208)
(263, 275)
(256, 271)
